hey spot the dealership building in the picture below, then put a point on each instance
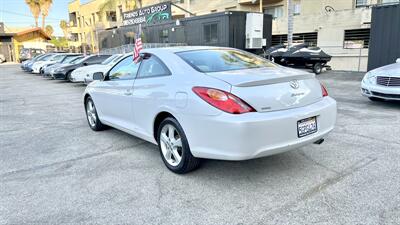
(340, 27)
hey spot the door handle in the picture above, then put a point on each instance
(128, 92)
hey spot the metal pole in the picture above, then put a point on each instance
(359, 60)
(290, 23)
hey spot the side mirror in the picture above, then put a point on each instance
(98, 76)
(85, 64)
(398, 60)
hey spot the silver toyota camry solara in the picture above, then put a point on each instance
(208, 102)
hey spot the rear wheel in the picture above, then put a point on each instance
(92, 117)
(174, 147)
(317, 68)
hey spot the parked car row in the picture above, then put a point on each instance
(61, 66)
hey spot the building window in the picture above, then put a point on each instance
(164, 36)
(388, 1)
(112, 16)
(299, 38)
(296, 8)
(213, 11)
(357, 38)
(94, 19)
(210, 32)
(120, 12)
(361, 3)
(276, 11)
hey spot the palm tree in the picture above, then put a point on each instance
(45, 8)
(111, 5)
(49, 30)
(34, 6)
(64, 27)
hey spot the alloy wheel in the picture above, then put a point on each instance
(171, 145)
(91, 113)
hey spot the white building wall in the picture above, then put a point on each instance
(330, 27)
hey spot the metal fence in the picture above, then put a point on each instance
(129, 48)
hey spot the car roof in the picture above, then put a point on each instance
(182, 49)
(175, 49)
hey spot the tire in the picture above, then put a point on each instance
(68, 76)
(169, 146)
(92, 117)
(317, 68)
(376, 99)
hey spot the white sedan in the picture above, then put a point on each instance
(50, 59)
(207, 102)
(85, 73)
(382, 83)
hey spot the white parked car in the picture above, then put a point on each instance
(382, 83)
(51, 59)
(208, 102)
(85, 74)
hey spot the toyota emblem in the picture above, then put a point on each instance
(294, 84)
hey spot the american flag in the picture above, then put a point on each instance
(138, 48)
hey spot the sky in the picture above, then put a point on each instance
(15, 13)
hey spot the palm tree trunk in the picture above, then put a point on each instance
(43, 21)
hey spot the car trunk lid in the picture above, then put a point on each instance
(272, 89)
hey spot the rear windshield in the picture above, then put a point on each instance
(216, 60)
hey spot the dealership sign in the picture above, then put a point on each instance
(148, 15)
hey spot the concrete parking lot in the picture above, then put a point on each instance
(54, 169)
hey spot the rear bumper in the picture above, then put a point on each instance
(254, 135)
(378, 91)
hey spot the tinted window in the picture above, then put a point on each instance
(58, 58)
(152, 67)
(223, 60)
(97, 59)
(109, 59)
(69, 58)
(124, 70)
(46, 57)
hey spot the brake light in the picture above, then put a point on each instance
(223, 100)
(324, 91)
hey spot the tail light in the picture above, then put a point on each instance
(324, 91)
(223, 100)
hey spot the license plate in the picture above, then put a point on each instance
(306, 126)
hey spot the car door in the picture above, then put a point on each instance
(149, 92)
(113, 96)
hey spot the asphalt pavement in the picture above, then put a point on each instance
(55, 170)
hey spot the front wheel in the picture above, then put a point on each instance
(92, 117)
(174, 147)
(68, 76)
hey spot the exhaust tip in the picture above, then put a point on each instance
(320, 141)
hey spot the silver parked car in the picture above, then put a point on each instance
(382, 83)
(208, 102)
